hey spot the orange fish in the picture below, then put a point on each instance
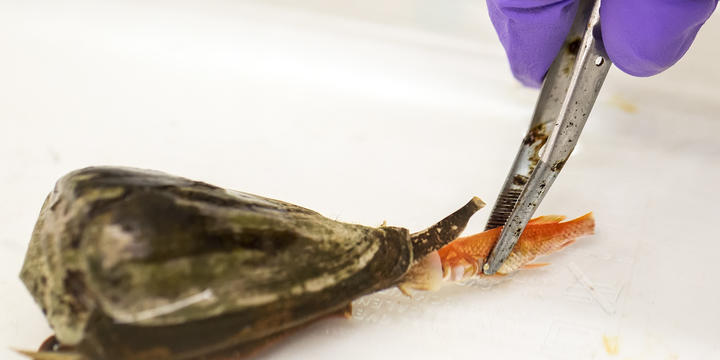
(463, 257)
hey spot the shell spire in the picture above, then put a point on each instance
(446, 230)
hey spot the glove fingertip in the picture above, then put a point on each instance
(528, 74)
(645, 37)
(532, 32)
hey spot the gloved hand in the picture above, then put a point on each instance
(642, 37)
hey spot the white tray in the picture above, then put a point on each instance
(367, 113)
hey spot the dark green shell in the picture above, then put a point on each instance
(130, 263)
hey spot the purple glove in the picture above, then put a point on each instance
(642, 37)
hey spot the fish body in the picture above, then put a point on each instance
(463, 258)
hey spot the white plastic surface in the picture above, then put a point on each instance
(368, 112)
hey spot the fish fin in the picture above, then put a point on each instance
(547, 219)
(585, 223)
(587, 217)
(534, 266)
(571, 241)
(497, 275)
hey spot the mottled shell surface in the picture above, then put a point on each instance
(123, 256)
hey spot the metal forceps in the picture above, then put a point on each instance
(566, 99)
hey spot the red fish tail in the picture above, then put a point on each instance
(584, 225)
